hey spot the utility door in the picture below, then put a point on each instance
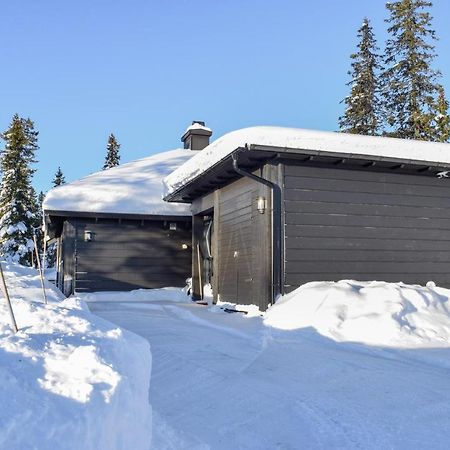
(244, 249)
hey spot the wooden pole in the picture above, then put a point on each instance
(39, 268)
(8, 300)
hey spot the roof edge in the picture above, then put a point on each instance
(171, 196)
(290, 151)
(360, 156)
(105, 215)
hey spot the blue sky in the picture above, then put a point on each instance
(145, 69)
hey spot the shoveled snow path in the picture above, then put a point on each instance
(224, 381)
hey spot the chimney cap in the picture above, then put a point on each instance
(198, 127)
(196, 136)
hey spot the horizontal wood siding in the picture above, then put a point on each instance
(131, 255)
(343, 223)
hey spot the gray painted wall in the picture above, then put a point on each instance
(243, 245)
(127, 255)
(365, 225)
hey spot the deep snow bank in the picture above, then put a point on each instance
(374, 313)
(70, 380)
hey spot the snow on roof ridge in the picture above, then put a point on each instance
(135, 187)
(306, 139)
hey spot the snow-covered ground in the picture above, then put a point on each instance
(69, 379)
(234, 381)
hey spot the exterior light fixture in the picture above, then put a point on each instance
(261, 205)
(172, 226)
(88, 235)
(184, 246)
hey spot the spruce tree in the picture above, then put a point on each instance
(59, 178)
(112, 153)
(442, 118)
(17, 196)
(50, 253)
(409, 82)
(41, 198)
(39, 222)
(362, 112)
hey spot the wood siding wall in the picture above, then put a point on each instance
(365, 225)
(243, 244)
(129, 255)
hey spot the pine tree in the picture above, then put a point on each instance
(112, 153)
(442, 118)
(410, 83)
(362, 113)
(59, 178)
(17, 196)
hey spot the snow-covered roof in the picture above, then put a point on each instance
(297, 138)
(132, 188)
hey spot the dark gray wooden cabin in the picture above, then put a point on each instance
(115, 233)
(268, 219)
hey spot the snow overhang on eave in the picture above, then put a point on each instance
(113, 215)
(253, 156)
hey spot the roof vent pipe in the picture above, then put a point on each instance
(197, 135)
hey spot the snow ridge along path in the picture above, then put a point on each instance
(232, 381)
(70, 380)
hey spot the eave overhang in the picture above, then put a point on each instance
(253, 156)
(107, 215)
(54, 219)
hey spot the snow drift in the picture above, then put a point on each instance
(373, 313)
(171, 294)
(70, 380)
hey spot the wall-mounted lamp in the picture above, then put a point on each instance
(261, 205)
(88, 235)
(184, 246)
(172, 226)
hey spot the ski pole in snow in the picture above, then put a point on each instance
(39, 267)
(8, 301)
